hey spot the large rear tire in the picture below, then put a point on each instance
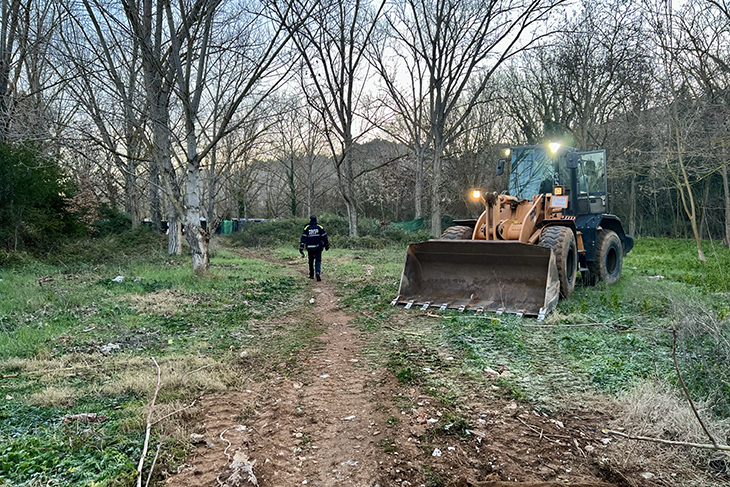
(609, 258)
(562, 242)
(458, 232)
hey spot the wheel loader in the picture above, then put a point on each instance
(525, 250)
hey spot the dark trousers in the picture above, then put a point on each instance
(315, 261)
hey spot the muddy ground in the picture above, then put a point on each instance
(330, 417)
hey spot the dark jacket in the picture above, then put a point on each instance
(314, 238)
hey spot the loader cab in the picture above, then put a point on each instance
(538, 169)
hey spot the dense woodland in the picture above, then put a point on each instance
(389, 109)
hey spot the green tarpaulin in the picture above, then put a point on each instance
(410, 225)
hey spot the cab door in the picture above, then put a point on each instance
(592, 183)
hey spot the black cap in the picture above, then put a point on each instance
(313, 218)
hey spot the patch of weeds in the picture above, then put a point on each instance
(433, 478)
(135, 285)
(388, 445)
(453, 424)
(248, 412)
(511, 388)
(615, 360)
(405, 375)
(392, 421)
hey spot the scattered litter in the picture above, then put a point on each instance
(589, 448)
(476, 432)
(324, 376)
(297, 385)
(436, 452)
(568, 470)
(658, 276)
(348, 418)
(557, 423)
(304, 482)
(606, 441)
(491, 372)
(109, 347)
(368, 269)
(311, 301)
(449, 358)
(349, 463)
(511, 405)
(452, 448)
(249, 391)
(244, 354)
(506, 373)
(8, 397)
(648, 475)
(196, 438)
(240, 427)
(432, 420)
(427, 369)
(118, 279)
(241, 471)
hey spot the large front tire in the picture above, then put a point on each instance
(458, 232)
(562, 242)
(609, 258)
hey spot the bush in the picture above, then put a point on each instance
(112, 221)
(287, 232)
(34, 194)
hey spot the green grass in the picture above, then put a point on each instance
(85, 341)
(72, 340)
(633, 344)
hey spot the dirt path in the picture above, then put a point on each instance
(334, 419)
(321, 425)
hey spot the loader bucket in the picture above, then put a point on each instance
(479, 275)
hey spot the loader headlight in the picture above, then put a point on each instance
(554, 146)
(476, 194)
(507, 152)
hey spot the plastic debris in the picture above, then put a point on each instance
(118, 279)
(436, 452)
(109, 347)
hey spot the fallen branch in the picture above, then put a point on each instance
(390, 327)
(174, 412)
(149, 425)
(706, 446)
(686, 392)
(540, 431)
(152, 468)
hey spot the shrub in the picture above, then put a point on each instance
(34, 194)
(286, 232)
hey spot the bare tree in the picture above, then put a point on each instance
(458, 42)
(333, 42)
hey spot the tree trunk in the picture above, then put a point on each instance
(420, 154)
(726, 189)
(703, 218)
(155, 211)
(436, 187)
(632, 206)
(196, 236)
(211, 189)
(130, 191)
(347, 186)
(689, 206)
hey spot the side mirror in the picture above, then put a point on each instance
(500, 167)
(572, 162)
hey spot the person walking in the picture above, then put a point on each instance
(314, 239)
